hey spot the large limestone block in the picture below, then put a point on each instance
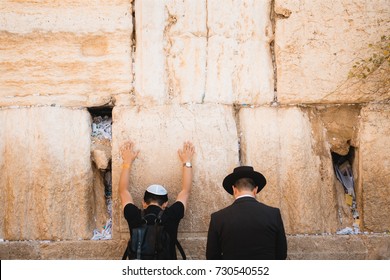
(316, 44)
(46, 175)
(170, 58)
(279, 143)
(375, 166)
(65, 16)
(158, 133)
(239, 64)
(221, 55)
(186, 64)
(67, 53)
(239, 72)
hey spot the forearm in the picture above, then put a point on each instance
(186, 186)
(128, 156)
(124, 179)
(186, 155)
(186, 179)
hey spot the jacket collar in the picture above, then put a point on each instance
(244, 199)
(244, 195)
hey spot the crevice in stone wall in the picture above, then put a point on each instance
(236, 116)
(343, 168)
(133, 47)
(171, 20)
(276, 13)
(101, 136)
(133, 33)
(272, 50)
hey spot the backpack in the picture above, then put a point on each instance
(151, 241)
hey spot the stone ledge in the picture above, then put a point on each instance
(67, 250)
(339, 247)
(300, 247)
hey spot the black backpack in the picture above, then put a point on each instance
(151, 241)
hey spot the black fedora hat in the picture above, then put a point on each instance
(244, 172)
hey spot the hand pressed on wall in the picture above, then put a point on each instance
(128, 153)
(187, 152)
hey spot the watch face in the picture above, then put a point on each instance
(188, 164)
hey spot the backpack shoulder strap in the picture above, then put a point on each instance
(180, 248)
(126, 254)
(159, 216)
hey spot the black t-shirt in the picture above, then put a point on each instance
(170, 219)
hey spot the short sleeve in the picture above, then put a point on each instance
(176, 211)
(133, 215)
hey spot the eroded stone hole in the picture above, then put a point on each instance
(101, 136)
(343, 168)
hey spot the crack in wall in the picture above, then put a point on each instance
(133, 39)
(273, 56)
(171, 78)
(236, 116)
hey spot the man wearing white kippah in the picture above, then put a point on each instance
(156, 196)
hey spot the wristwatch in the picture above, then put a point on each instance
(187, 164)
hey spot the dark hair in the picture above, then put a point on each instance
(159, 199)
(245, 184)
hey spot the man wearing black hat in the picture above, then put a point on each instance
(247, 229)
(156, 196)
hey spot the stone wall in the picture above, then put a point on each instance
(262, 83)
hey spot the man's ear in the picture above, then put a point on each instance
(165, 204)
(234, 190)
(255, 190)
(144, 204)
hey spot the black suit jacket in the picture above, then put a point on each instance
(247, 229)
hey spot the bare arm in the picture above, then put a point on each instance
(186, 155)
(128, 157)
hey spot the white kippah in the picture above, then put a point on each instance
(157, 190)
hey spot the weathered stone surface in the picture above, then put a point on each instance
(309, 247)
(64, 52)
(278, 143)
(171, 48)
(45, 166)
(64, 250)
(63, 68)
(317, 43)
(336, 247)
(220, 56)
(239, 65)
(158, 133)
(101, 154)
(375, 166)
(65, 16)
(341, 124)
(186, 64)
(100, 158)
(194, 245)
